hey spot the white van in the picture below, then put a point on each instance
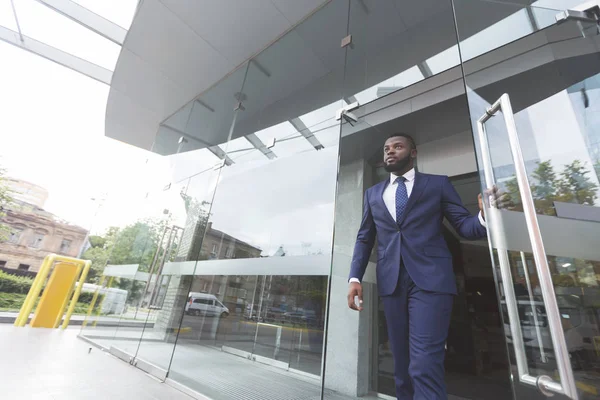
(205, 304)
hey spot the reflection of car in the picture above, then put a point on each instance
(205, 304)
(579, 329)
(274, 314)
(300, 317)
(251, 314)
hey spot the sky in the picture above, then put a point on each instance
(52, 124)
(52, 134)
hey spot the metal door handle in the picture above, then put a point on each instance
(496, 232)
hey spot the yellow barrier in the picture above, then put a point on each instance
(93, 302)
(56, 295)
(52, 305)
(99, 309)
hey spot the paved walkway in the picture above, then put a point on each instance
(46, 364)
(8, 317)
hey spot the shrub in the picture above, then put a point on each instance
(14, 301)
(14, 284)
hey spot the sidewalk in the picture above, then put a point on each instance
(49, 364)
(8, 317)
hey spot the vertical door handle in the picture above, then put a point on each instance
(497, 235)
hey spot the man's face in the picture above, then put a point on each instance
(398, 154)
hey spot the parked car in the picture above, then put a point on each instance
(205, 304)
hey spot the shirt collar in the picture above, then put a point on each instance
(409, 176)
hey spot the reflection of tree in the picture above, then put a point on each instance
(573, 185)
(133, 244)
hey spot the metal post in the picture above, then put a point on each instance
(84, 274)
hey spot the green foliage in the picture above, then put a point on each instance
(97, 241)
(576, 186)
(11, 301)
(134, 244)
(86, 297)
(14, 301)
(512, 189)
(14, 284)
(572, 185)
(98, 256)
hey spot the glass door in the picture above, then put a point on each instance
(532, 78)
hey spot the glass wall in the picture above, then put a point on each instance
(548, 73)
(230, 296)
(233, 279)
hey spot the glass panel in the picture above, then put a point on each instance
(359, 352)
(45, 25)
(117, 254)
(116, 321)
(258, 292)
(389, 51)
(174, 305)
(553, 100)
(498, 24)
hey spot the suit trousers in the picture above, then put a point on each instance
(418, 323)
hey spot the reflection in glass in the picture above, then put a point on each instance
(556, 124)
(400, 81)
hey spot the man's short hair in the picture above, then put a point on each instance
(410, 139)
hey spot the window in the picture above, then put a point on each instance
(36, 240)
(2, 263)
(15, 235)
(229, 252)
(23, 267)
(204, 301)
(65, 245)
(214, 249)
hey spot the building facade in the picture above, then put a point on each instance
(33, 233)
(273, 115)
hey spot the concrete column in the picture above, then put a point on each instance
(349, 341)
(169, 316)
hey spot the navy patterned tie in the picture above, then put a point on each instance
(401, 198)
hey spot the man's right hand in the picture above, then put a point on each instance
(355, 290)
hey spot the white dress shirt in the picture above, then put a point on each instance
(389, 197)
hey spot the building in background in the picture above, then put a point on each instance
(33, 232)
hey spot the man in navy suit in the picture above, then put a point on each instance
(414, 266)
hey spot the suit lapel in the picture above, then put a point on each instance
(380, 191)
(419, 186)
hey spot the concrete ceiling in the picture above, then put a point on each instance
(180, 51)
(176, 49)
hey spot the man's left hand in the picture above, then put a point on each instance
(497, 198)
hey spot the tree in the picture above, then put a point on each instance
(545, 188)
(575, 186)
(99, 253)
(134, 244)
(514, 196)
(572, 186)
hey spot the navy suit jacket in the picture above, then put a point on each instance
(416, 239)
